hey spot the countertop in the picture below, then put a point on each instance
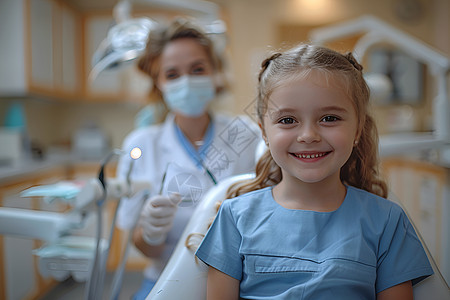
(54, 158)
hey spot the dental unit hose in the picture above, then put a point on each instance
(95, 284)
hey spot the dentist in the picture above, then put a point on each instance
(190, 151)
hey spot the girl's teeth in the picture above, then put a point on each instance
(309, 155)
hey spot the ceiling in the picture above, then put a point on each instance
(98, 5)
(89, 5)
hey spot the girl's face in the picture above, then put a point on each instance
(184, 56)
(311, 127)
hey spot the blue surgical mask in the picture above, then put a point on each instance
(189, 95)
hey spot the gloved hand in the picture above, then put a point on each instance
(157, 218)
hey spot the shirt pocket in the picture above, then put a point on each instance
(276, 264)
(279, 277)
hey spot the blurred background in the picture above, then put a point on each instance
(67, 123)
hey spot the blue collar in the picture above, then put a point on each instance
(198, 156)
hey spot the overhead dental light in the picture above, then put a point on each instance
(127, 39)
(125, 42)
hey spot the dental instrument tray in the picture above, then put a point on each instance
(69, 256)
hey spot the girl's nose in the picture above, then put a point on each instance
(308, 134)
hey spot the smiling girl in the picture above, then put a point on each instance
(315, 222)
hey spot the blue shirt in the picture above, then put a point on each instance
(365, 246)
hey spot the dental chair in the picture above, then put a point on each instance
(185, 276)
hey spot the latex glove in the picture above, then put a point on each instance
(157, 218)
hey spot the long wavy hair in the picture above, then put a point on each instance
(361, 169)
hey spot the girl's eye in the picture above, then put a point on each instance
(330, 119)
(287, 121)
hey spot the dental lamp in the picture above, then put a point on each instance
(376, 32)
(127, 39)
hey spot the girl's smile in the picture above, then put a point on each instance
(310, 156)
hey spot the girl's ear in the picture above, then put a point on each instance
(358, 133)
(357, 137)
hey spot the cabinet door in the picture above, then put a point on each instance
(422, 188)
(42, 50)
(54, 32)
(70, 41)
(12, 48)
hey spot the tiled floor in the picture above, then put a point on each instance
(72, 290)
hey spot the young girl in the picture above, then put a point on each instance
(314, 223)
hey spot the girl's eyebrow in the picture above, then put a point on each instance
(275, 112)
(334, 108)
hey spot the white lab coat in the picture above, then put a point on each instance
(231, 152)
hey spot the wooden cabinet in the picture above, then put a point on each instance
(41, 42)
(41, 49)
(47, 48)
(423, 190)
(71, 77)
(54, 37)
(12, 47)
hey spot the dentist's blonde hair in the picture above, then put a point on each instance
(361, 169)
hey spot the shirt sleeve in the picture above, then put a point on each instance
(401, 256)
(220, 247)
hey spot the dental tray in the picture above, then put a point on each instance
(69, 256)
